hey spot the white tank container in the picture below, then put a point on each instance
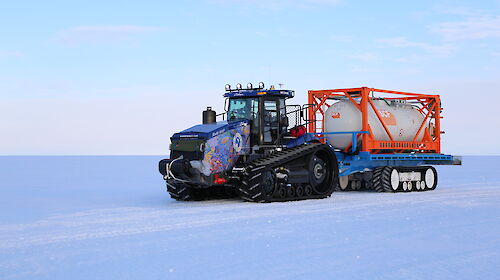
(402, 120)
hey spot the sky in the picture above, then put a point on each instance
(120, 77)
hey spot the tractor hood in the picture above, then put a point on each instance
(211, 148)
(207, 131)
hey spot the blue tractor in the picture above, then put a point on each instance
(259, 152)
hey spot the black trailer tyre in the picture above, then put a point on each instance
(290, 191)
(430, 178)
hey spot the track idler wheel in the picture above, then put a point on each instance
(324, 172)
(430, 178)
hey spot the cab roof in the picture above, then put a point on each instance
(259, 92)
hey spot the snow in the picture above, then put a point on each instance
(99, 217)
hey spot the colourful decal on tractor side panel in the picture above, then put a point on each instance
(222, 151)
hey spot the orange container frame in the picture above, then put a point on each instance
(428, 105)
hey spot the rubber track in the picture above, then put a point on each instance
(185, 192)
(382, 177)
(250, 188)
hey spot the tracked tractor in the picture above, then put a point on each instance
(258, 151)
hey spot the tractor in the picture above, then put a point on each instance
(258, 151)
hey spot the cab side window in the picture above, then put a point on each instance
(271, 123)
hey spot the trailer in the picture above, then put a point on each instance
(379, 164)
(263, 150)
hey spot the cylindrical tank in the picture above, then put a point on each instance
(209, 116)
(402, 120)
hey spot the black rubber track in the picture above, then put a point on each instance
(382, 179)
(253, 187)
(180, 191)
(185, 192)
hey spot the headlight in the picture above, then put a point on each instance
(238, 86)
(261, 85)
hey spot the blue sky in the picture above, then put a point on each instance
(112, 77)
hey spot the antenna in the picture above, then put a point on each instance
(281, 85)
(269, 74)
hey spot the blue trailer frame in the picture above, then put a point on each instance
(350, 163)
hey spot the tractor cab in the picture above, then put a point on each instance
(265, 109)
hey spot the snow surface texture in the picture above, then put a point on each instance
(111, 218)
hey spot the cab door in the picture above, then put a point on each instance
(270, 120)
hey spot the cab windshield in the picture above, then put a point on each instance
(243, 109)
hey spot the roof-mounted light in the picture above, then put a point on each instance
(228, 87)
(261, 85)
(238, 86)
(249, 86)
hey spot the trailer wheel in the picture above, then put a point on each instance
(430, 178)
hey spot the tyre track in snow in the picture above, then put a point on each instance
(115, 222)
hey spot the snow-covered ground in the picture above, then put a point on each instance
(111, 218)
